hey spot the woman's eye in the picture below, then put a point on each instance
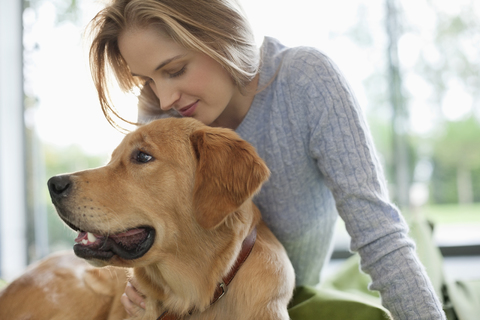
(143, 157)
(178, 73)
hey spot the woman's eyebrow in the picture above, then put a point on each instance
(164, 63)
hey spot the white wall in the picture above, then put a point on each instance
(12, 151)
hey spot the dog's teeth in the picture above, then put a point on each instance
(91, 237)
(84, 241)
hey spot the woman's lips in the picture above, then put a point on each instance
(189, 110)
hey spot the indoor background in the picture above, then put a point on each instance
(414, 66)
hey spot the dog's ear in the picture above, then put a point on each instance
(229, 171)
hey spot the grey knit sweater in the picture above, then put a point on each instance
(311, 132)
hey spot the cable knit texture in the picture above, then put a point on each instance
(311, 132)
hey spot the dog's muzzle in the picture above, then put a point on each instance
(92, 244)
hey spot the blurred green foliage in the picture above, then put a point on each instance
(453, 213)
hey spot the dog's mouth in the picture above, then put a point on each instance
(128, 245)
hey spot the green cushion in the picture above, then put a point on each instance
(321, 303)
(344, 295)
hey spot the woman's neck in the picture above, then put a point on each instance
(238, 107)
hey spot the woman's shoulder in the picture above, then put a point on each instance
(301, 65)
(295, 57)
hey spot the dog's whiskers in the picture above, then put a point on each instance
(116, 218)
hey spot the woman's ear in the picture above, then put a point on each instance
(229, 171)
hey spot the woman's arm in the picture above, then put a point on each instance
(340, 141)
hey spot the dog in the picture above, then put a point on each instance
(63, 286)
(173, 208)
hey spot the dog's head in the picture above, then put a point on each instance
(166, 181)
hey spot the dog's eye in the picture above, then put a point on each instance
(143, 157)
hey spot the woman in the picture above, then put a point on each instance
(198, 59)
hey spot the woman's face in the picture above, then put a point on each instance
(187, 81)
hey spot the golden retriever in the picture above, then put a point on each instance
(63, 287)
(174, 206)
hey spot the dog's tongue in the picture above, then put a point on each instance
(126, 238)
(130, 238)
(128, 233)
(81, 236)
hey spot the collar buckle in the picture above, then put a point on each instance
(224, 288)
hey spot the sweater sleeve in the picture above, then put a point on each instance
(340, 141)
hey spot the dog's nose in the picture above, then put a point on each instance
(59, 186)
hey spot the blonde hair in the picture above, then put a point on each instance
(216, 28)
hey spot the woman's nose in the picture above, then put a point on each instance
(167, 95)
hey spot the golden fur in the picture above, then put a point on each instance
(196, 194)
(62, 287)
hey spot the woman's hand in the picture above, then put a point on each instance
(133, 301)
